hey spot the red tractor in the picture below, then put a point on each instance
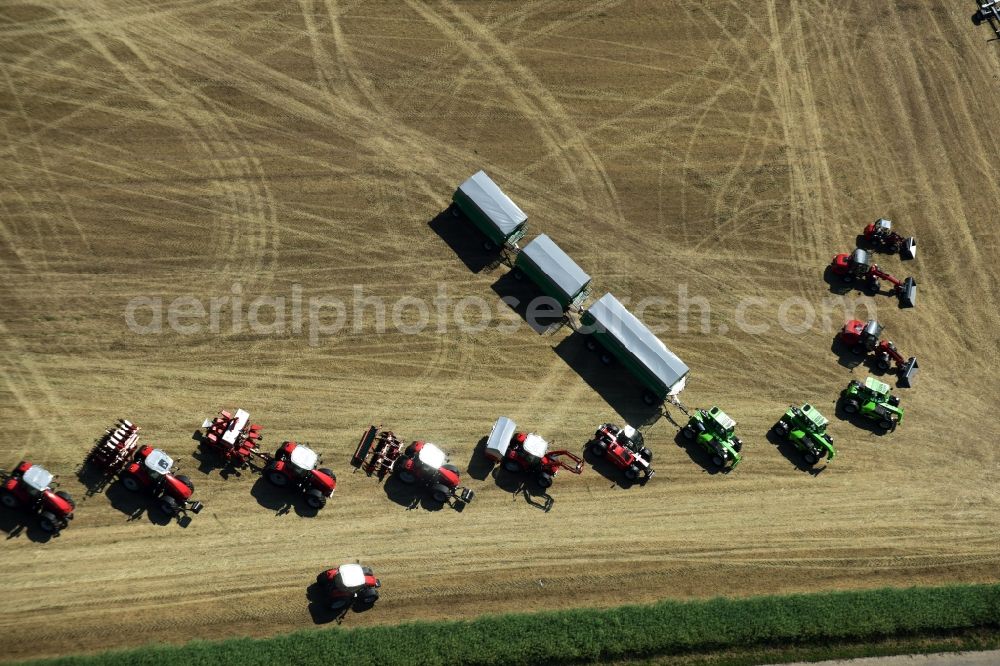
(857, 266)
(865, 337)
(296, 465)
(880, 236)
(624, 448)
(528, 452)
(349, 584)
(142, 469)
(231, 437)
(380, 453)
(29, 488)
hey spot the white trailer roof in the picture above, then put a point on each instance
(236, 426)
(556, 264)
(431, 456)
(304, 458)
(490, 199)
(37, 478)
(640, 342)
(352, 576)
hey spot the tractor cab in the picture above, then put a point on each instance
(36, 480)
(870, 334)
(876, 389)
(881, 227)
(431, 457)
(723, 423)
(303, 459)
(350, 577)
(630, 438)
(158, 463)
(859, 263)
(814, 418)
(533, 447)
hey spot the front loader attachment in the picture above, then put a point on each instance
(576, 467)
(908, 372)
(909, 249)
(908, 293)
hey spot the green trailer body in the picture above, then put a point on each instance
(626, 338)
(805, 428)
(490, 210)
(558, 276)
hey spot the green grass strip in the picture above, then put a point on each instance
(585, 635)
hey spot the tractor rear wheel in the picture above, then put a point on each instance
(48, 522)
(883, 363)
(186, 480)
(131, 483)
(440, 493)
(858, 350)
(688, 432)
(406, 477)
(315, 498)
(169, 506)
(275, 476)
(811, 458)
(544, 479)
(9, 500)
(718, 461)
(851, 406)
(598, 449)
(511, 466)
(632, 473)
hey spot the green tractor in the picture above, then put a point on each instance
(874, 401)
(714, 431)
(805, 428)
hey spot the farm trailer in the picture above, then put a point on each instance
(491, 211)
(625, 337)
(558, 276)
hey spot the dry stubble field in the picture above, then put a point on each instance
(180, 148)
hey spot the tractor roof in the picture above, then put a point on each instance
(159, 462)
(814, 416)
(632, 434)
(876, 385)
(350, 576)
(236, 426)
(431, 456)
(883, 223)
(722, 419)
(535, 445)
(37, 478)
(860, 256)
(304, 458)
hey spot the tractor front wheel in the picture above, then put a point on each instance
(440, 493)
(328, 472)
(688, 432)
(718, 461)
(186, 480)
(851, 406)
(315, 499)
(544, 480)
(886, 424)
(65, 496)
(781, 429)
(9, 500)
(369, 596)
(131, 483)
(632, 473)
(811, 458)
(169, 506)
(883, 364)
(406, 477)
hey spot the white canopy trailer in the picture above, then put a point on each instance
(484, 203)
(553, 271)
(624, 336)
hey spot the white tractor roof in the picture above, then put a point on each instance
(432, 456)
(630, 431)
(37, 478)
(351, 576)
(236, 426)
(159, 462)
(535, 445)
(304, 458)
(883, 223)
